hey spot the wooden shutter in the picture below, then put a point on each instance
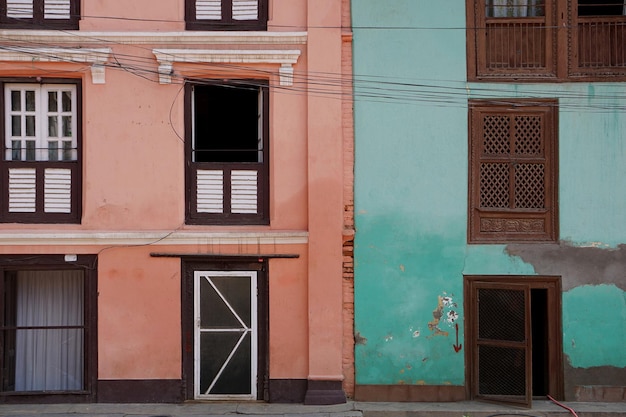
(513, 187)
(226, 14)
(20, 9)
(57, 9)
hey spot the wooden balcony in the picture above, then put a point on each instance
(601, 43)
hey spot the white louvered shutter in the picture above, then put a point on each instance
(244, 190)
(57, 190)
(210, 191)
(22, 190)
(56, 9)
(208, 9)
(245, 9)
(20, 9)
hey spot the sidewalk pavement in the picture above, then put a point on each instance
(350, 409)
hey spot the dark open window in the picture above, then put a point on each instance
(40, 14)
(227, 154)
(599, 34)
(47, 333)
(226, 14)
(546, 39)
(513, 172)
(41, 164)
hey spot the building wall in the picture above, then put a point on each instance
(411, 170)
(134, 193)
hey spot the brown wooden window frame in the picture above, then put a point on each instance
(227, 22)
(569, 47)
(518, 214)
(38, 20)
(227, 216)
(10, 264)
(40, 167)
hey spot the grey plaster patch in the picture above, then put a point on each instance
(576, 265)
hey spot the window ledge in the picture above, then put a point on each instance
(97, 57)
(80, 238)
(285, 58)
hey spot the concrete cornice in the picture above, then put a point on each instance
(79, 37)
(121, 238)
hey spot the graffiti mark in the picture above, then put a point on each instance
(457, 347)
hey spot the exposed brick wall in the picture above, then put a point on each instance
(348, 214)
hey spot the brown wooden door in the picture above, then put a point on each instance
(501, 341)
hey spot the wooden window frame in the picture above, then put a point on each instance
(75, 166)
(561, 56)
(87, 264)
(552, 286)
(261, 217)
(510, 224)
(227, 22)
(38, 21)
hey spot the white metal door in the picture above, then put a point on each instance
(225, 335)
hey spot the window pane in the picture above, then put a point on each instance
(30, 150)
(16, 150)
(16, 126)
(514, 8)
(67, 126)
(30, 126)
(53, 128)
(53, 150)
(30, 100)
(67, 150)
(67, 101)
(16, 103)
(52, 101)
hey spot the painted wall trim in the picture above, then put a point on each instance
(52, 238)
(52, 37)
(97, 57)
(285, 58)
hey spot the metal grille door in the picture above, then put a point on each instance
(225, 334)
(502, 351)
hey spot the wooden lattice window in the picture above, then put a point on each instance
(513, 172)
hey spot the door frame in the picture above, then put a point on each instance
(225, 264)
(88, 264)
(552, 284)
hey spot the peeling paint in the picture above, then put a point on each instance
(401, 267)
(359, 340)
(577, 265)
(445, 310)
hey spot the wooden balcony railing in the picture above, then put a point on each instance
(601, 43)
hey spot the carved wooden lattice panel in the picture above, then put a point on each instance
(512, 172)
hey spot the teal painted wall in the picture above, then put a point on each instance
(411, 197)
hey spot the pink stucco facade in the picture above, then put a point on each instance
(133, 190)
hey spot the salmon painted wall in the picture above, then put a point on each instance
(411, 168)
(133, 185)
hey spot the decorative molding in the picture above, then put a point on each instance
(97, 57)
(84, 238)
(285, 58)
(510, 225)
(68, 37)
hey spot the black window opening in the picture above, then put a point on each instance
(226, 121)
(227, 172)
(601, 8)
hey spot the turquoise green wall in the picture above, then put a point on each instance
(411, 196)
